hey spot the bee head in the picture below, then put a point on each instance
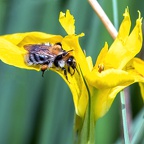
(71, 62)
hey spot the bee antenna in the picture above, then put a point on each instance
(70, 50)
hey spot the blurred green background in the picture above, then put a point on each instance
(37, 110)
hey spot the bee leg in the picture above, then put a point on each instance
(42, 72)
(43, 69)
(73, 72)
(65, 73)
(70, 71)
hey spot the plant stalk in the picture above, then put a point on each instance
(104, 18)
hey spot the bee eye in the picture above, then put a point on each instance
(70, 60)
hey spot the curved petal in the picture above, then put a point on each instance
(71, 42)
(135, 68)
(125, 26)
(104, 99)
(12, 51)
(21, 39)
(137, 65)
(67, 21)
(76, 82)
(78, 90)
(124, 47)
(101, 56)
(12, 55)
(89, 62)
(109, 78)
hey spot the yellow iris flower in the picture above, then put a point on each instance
(115, 69)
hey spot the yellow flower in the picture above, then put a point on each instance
(12, 52)
(111, 74)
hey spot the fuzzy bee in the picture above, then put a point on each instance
(48, 56)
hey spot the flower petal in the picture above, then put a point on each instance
(124, 47)
(21, 39)
(67, 21)
(125, 26)
(104, 99)
(12, 51)
(78, 90)
(12, 54)
(101, 56)
(72, 42)
(137, 65)
(109, 78)
(142, 89)
(89, 62)
(135, 68)
(76, 82)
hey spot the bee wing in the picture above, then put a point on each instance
(38, 49)
(29, 47)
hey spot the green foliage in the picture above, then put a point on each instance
(40, 110)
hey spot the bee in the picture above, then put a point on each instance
(48, 56)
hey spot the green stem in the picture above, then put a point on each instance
(104, 18)
(124, 118)
(115, 13)
(138, 128)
